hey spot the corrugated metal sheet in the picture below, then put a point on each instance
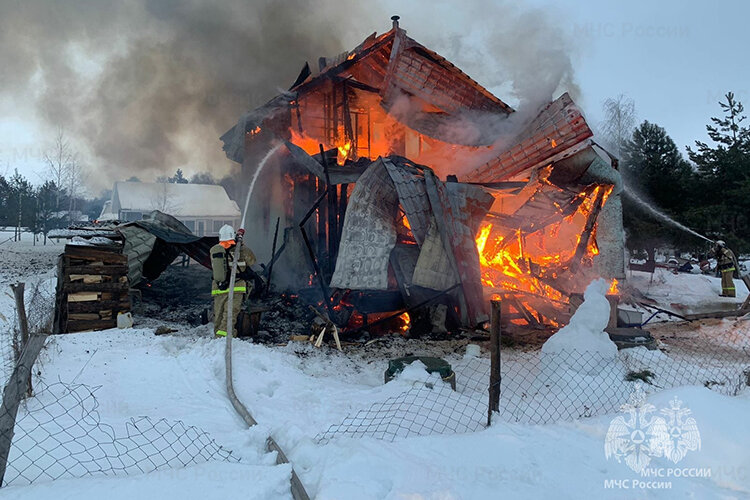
(434, 269)
(453, 207)
(558, 127)
(409, 183)
(369, 233)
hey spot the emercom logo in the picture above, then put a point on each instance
(640, 434)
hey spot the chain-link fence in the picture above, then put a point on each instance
(59, 434)
(540, 388)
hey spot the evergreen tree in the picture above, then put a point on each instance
(724, 171)
(178, 178)
(655, 167)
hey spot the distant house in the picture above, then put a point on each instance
(203, 208)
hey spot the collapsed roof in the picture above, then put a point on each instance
(390, 99)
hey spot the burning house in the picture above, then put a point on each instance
(404, 185)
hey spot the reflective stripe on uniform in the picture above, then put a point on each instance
(728, 289)
(727, 270)
(236, 289)
(221, 333)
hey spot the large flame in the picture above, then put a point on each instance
(529, 266)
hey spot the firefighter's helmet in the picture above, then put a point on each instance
(226, 233)
(720, 243)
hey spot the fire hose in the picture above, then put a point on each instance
(298, 490)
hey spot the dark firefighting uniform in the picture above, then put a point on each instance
(220, 289)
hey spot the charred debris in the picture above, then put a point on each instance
(405, 196)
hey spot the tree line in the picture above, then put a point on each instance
(709, 191)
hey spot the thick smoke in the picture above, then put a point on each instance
(145, 86)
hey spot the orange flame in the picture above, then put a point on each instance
(406, 323)
(528, 266)
(344, 152)
(613, 290)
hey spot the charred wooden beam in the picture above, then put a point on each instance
(587, 231)
(273, 256)
(316, 268)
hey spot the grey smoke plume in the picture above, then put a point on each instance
(146, 86)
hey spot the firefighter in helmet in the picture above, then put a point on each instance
(727, 264)
(222, 256)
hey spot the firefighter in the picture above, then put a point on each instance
(222, 256)
(727, 264)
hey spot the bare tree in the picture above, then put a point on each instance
(59, 159)
(76, 179)
(619, 122)
(163, 201)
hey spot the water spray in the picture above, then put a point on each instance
(661, 215)
(255, 178)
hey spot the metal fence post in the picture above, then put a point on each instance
(494, 389)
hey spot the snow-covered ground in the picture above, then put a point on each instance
(686, 293)
(297, 392)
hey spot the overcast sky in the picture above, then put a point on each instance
(675, 59)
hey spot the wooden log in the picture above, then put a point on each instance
(495, 375)
(94, 255)
(13, 394)
(86, 278)
(98, 305)
(84, 316)
(109, 269)
(86, 325)
(83, 297)
(587, 230)
(95, 287)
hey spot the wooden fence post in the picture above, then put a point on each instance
(13, 395)
(23, 324)
(495, 377)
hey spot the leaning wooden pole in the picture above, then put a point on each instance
(13, 395)
(23, 323)
(495, 377)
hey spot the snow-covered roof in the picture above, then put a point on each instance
(179, 200)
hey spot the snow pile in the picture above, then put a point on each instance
(415, 374)
(585, 332)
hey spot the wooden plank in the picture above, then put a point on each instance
(95, 287)
(715, 314)
(83, 297)
(108, 269)
(83, 325)
(86, 278)
(91, 254)
(13, 394)
(99, 305)
(83, 317)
